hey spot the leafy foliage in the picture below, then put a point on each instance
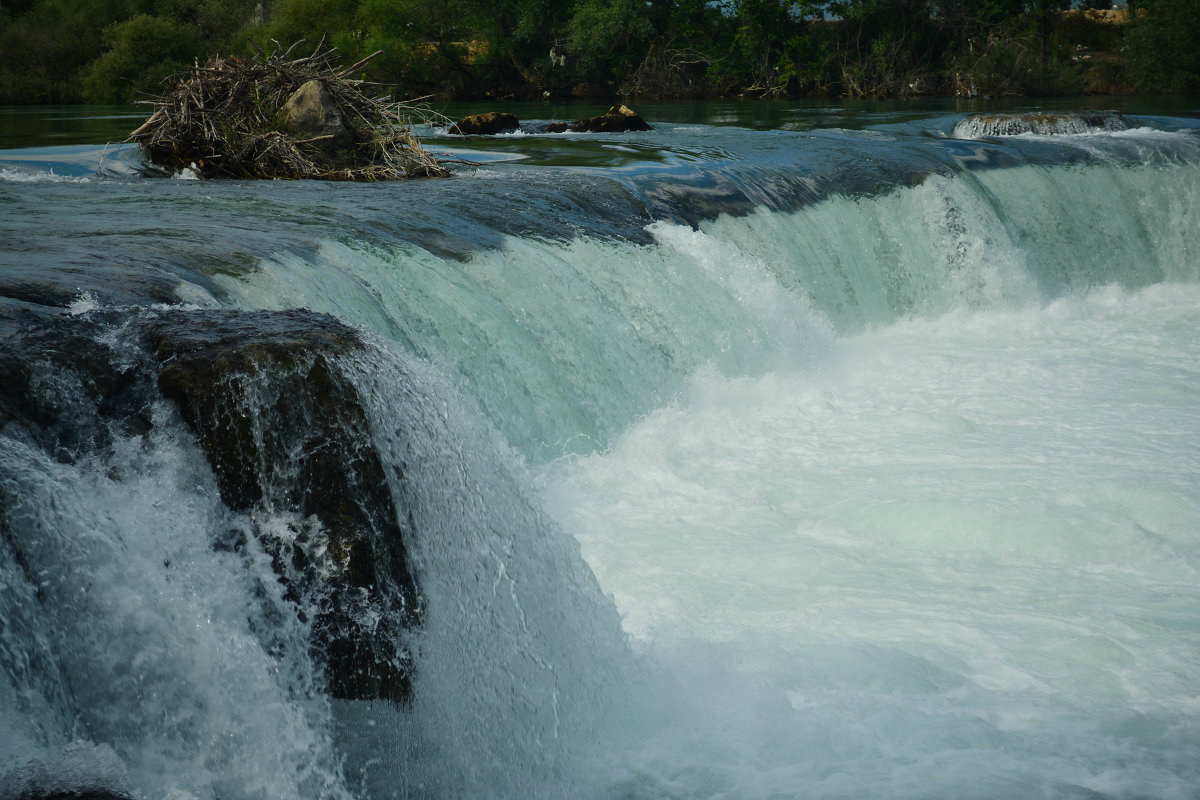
(1164, 43)
(606, 35)
(109, 50)
(142, 50)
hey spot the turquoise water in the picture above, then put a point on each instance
(834, 457)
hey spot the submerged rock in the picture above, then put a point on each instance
(1046, 123)
(82, 771)
(487, 124)
(287, 438)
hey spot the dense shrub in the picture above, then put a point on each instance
(142, 51)
(1164, 46)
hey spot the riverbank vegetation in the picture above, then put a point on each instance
(116, 51)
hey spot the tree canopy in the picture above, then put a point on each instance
(115, 51)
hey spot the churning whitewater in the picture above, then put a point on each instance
(844, 457)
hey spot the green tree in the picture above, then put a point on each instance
(1164, 46)
(310, 21)
(142, 51)
(607, 39)
(758, 47)
(46, 47)
(889, 47)
(521, 34)
(427, 44)
(221, 24)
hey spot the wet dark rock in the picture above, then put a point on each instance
(1040, 122)
(615, 120)
(555, 127)
(284, 431)
(24, 303)
(487, 124)
(60, 384)
(40, 292)
(82, 771)
(288, 441)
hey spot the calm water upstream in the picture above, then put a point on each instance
(782, 451)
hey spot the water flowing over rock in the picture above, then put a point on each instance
(288, 443)
(284, 431)
(58, 384)
(1045, 123)
(82, 771)
(728, 459)
(617, 119)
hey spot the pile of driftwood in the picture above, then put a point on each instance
(277, 116)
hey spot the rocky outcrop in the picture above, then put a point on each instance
(978, 126)
(282, 426)
(284, 431)
(616, 119)
(487, 124)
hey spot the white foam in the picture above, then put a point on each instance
(959, 560)
(30, 175)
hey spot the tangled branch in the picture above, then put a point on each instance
(224, 119)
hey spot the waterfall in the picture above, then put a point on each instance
(851, 454)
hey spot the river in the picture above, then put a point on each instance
(789, 450)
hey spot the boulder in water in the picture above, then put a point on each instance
(616, 119)
(288, 441)
(487, 124)
(1041, 122)
(286, 435)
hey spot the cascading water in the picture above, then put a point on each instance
(812, 462)
(516, 646)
